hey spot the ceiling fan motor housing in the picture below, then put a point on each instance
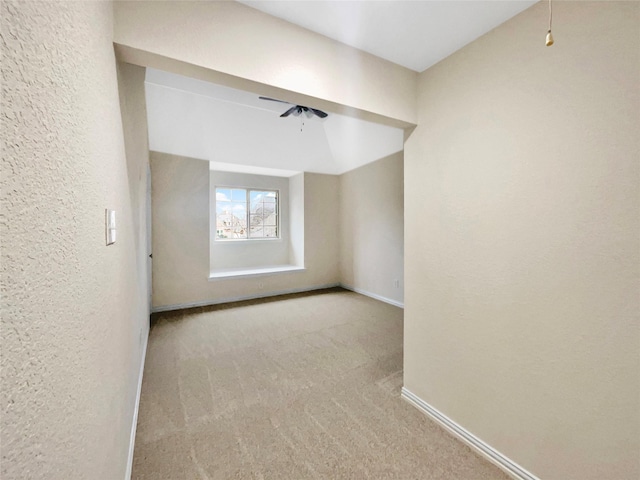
(297, 110)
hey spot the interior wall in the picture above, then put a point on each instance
(371, 228)
(74, 311)
(522, 241)
(250, 253)
(131, 88)
(237, 40)
(180, 190)
(296, 214)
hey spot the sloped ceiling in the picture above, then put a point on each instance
(202, 120)
(414, 34)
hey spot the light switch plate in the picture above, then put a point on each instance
(110, 226)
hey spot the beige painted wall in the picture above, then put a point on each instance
(131, 88)
(371, 228)
(296, 215)
(181, 237)
(237, 40)
(522, 241)
(74, 311)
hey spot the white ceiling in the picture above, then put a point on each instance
(235, 129)
(415, 34)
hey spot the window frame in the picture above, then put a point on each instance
(248, 191)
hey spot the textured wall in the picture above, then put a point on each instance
(131, 88)
(522, 241)
(73, 310)
(181, 237)
(371, 228)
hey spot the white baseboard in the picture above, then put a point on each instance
(495, 457)
(373, 295)
(206, 303)
(134, 425)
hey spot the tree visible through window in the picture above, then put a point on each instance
(245, 213)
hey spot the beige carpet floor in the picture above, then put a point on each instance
(302, 386)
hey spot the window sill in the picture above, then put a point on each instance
(252, 272)
(243, 240)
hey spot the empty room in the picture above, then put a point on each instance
(320, 240)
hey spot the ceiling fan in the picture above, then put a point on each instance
(298, 110)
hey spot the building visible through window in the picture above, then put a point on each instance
(243, 213)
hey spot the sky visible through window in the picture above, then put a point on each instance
(245, 213)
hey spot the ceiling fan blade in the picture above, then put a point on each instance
(319, 113)
(290, 111)
(274, 100)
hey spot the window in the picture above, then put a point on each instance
(243, 213)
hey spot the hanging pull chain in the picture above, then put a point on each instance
(549, 40)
